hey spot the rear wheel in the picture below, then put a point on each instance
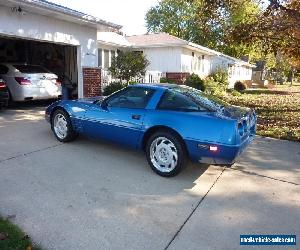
(166, 153)
(62, 126)
(11, 102)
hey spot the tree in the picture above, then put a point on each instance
(206, 22)
(175, 17)
(276, 28)
(128, 64)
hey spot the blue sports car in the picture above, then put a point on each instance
(169, 122)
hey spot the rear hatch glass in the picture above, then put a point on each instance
(30, 69)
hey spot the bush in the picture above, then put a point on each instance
(239, 86)
(128, 65)
(221, 76)
(113, 87)
(213, 87)
(233, 92)
(195, 81)
(165, 80)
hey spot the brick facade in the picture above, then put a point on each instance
(177, 77)
(91, 82)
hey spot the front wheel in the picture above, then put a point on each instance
(62, 126)
(165, 154)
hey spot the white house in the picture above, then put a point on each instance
(61, 39)
(172, 57)
(176, 58)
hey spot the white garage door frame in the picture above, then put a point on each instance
(78, 53)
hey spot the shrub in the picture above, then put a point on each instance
(221, 76)
(165, 80)
(233, 92)
(239, 86)
(128, 65)
(195, 81)
(113, 87)
(213, 87)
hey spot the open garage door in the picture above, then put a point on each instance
(58, 59)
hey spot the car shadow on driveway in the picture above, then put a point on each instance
(117, 157)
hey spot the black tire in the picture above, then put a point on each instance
(11, 103)
(177, 144)
(70, 133)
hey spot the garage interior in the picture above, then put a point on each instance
(58, 59)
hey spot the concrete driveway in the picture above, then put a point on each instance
(94, 195)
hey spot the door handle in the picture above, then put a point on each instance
(136, 117)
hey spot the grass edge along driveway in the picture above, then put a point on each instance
(13, 238)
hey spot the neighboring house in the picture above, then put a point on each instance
(177, 58)
(174, 57)
(61, 39)
(238, 70)
(170, 57)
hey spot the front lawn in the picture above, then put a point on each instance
(278, 110)
(12, 238)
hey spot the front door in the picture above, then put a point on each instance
(121, 118)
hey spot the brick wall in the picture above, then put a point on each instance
(177, 77)
(91, 82)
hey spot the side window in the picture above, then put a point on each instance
(132, 97)
(3, 69)
(175, 101)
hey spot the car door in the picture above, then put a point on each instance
(120, 118)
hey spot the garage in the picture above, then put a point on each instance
(62, 40)
(55, 58)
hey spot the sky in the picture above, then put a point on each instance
(128, 13)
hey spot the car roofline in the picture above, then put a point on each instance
(155, 85)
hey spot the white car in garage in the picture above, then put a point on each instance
(29, 82)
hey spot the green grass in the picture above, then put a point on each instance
(278, 111)
(15, 239)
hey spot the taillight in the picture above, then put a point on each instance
(58, 82)
(22, 81)
(2, 84)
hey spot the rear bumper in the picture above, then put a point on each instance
(34, 93)
(225, 154)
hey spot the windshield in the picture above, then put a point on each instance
(207, 101)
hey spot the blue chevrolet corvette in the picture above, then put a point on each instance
(169, 122)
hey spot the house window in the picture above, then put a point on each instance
(106, 59)
(230, 71)
(112, 54)
(203, 65)
(99, 57)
